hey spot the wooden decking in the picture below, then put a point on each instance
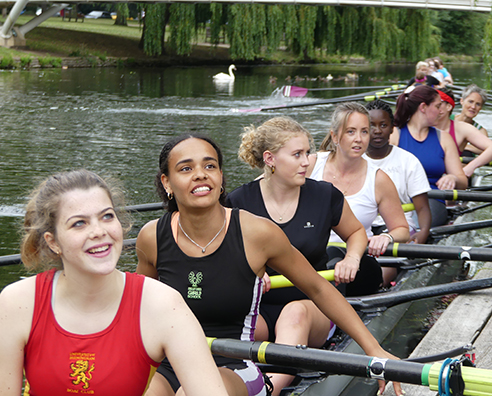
(466, 320)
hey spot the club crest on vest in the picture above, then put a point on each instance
(195, 292)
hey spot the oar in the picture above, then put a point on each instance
(460, 195)
(457, 228)
(436, 251)
(364, 97)
(467, 160)
(390, 299)
(435, 376)
(144, 207)
(280, 281)
(293, 91)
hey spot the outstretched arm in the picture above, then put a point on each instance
(271, 241)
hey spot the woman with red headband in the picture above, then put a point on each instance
(417, 112)
(463, 133)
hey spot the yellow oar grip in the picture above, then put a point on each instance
(408, 207)
(455, 195)
(210, 340)
(279, 281)
(262, 352)
(395, 249)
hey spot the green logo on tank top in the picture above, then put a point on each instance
(194, 291)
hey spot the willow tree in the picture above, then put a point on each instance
(275, 27)
(420, 38)
(154, 28)
(386, 37)
(218, 21)
(182, 26)
(122, 14)
(246, 30)
(487, 46)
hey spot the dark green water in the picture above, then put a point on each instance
(115, 122)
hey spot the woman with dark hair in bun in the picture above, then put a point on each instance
(216, 258)
(417, 112)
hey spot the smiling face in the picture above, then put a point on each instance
(88, 233)
(194, 176)
(472, 105)
(354, 139)
(381, 129)
(290, 161)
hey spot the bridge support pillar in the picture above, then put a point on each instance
(16, 39)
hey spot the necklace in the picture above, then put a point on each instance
(192, 241)
(281, 216)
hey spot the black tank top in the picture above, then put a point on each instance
(221, 289)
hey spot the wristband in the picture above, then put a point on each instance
(389, 236)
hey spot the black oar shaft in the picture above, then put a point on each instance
(320, 360)
(459, 195)
(437, 251)
(391, 299)
(456, 228)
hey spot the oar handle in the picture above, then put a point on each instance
(478, 382)
(280, 281)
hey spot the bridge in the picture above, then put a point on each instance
(14, 36)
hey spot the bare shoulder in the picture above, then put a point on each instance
(17, 303)
(148, 230)
(146, 239)
(159, 295)
(257, 228)
(19, 293)
(382, 179)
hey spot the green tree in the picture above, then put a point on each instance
(182, 27)
(462, 31)
(122, 13)
(156, 17)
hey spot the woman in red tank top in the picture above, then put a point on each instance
(83, 326)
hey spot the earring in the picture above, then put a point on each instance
(221, 190)
(170, 196)
(273, 169)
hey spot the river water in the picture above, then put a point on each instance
(115, 121)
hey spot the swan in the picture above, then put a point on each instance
(226, 77)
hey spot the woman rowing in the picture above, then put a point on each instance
(463, 133)
(472, 101)
(83, 326)
(367, 189)
(216, 258)
(417, 111)
(404, 169)
(306, 210)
